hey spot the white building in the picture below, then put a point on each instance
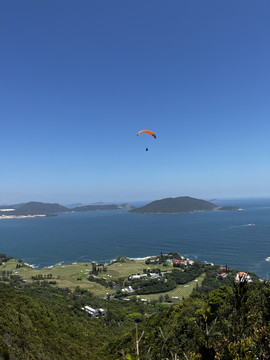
(154, 276)
(134, 277)
(94, 312)
(128, 289)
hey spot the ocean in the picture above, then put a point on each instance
(239, 239)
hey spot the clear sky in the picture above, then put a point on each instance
(79, 79)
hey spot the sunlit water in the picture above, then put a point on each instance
(239, 239)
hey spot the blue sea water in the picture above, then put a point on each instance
(239, 239)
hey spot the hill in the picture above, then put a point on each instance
(34, 208)
(41, 321)
(175, 205)
(226, 324)
(37, 208)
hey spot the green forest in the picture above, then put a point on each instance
(221, 319)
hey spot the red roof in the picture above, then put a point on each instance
(223, 275)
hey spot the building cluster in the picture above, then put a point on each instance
(243, 277)
(239, 277)
(144, 276)
(182, 261)
(94, 312)
(223, 272)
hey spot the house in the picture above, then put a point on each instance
(138, 276)
(175, 261)
(242, 277)
(128, 289)
(94, 312)
(101, 312)
(154, 276)
(90, 311)
(134, 277)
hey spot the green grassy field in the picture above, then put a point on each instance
(180, 292)
(73, 275)
(123, 270)
(65, 275)
(76, 274)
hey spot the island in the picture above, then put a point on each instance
(229, 208)
(181, 204)
(39, 209)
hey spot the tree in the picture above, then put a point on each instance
(161, 298)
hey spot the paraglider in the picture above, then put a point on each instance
(147, 132)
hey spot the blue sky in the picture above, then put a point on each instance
(79, 79)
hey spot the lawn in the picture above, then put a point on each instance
(73, 275)
(123, 270)
(180, 292)
(68, 276)
(76, 274)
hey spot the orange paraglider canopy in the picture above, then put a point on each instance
(148, 132)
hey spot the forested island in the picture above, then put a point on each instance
(160, 307)
(181, 204)
(34, 208)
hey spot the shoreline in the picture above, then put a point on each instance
(110, 262)
(63, 263)
(5, 217)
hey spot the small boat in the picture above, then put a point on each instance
(268, 258)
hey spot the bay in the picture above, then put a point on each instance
(239, 239)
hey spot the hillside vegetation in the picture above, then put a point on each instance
(41, 322)
(177, 309)
(175, 205)
(166, 275)
(225, 324)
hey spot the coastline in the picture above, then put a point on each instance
(105, 262)
(108, 262)
(218, 237)
(4, 217)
